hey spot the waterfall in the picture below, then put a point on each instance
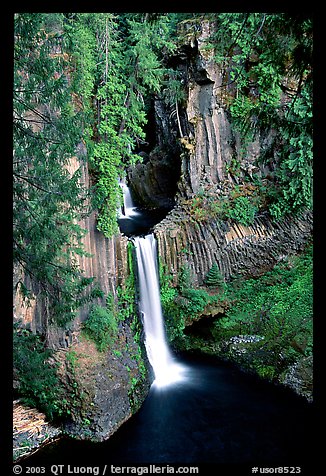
(129, 209)
(165, 367)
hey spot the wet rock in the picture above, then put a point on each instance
(245, 339)
(238, 345)
(299, 377)
(153, 183)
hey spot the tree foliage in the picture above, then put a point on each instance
(78, 78)
(38, 380)
(214, 276)
(129, 69)
(48, 196)
(101, 325)
(277, 306)
(267, 57)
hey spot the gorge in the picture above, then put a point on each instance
(163, 269)
(199, 410)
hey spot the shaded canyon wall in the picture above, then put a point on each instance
(209, 145)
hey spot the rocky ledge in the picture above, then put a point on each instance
(299, 377)
(31, 430)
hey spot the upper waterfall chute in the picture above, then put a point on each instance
(129, 209)
(166, 369)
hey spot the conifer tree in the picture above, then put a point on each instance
(48, 198)
(129, 59)
(214, 276)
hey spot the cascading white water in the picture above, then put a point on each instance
(165, 367)
(129, 209)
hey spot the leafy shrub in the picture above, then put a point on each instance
(101, 326)
(182, 303)
(127, 293)
(242, 210)
(277, 306)
(168, 295)
(240, 204)
(194, 301)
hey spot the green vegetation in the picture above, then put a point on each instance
(89, 79)
(48, 197)
(127, 53)
(137, 380)
(64, 65)
(101, 325)
(37, 373)
(82, 88)
(274, 310)
(214, 277)
(271, 67)
(37, 378)
(277, 306)
(127, 293)
(243, 211)
(241, 204)
(183, 303)
(128, 312)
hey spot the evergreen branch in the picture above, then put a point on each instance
(30, 108)
(34, 136)
(262, 24)
(35, 185)
(28, 90)
(238, 34)
(23, 119)
(22, 159)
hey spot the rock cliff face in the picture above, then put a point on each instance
(196, 144)
(153, 181)
(210, 145)
(105, 378)
(171, 174)
(214, 162)
(107, 262)
(210, 141)
(236, 249)
(108, 395)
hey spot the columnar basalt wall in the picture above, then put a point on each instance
(106, 262)
(108, 256)
(210, 142)
(212, 136)
(236, 249)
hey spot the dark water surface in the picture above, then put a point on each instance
(218, 415)
(142, 223)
